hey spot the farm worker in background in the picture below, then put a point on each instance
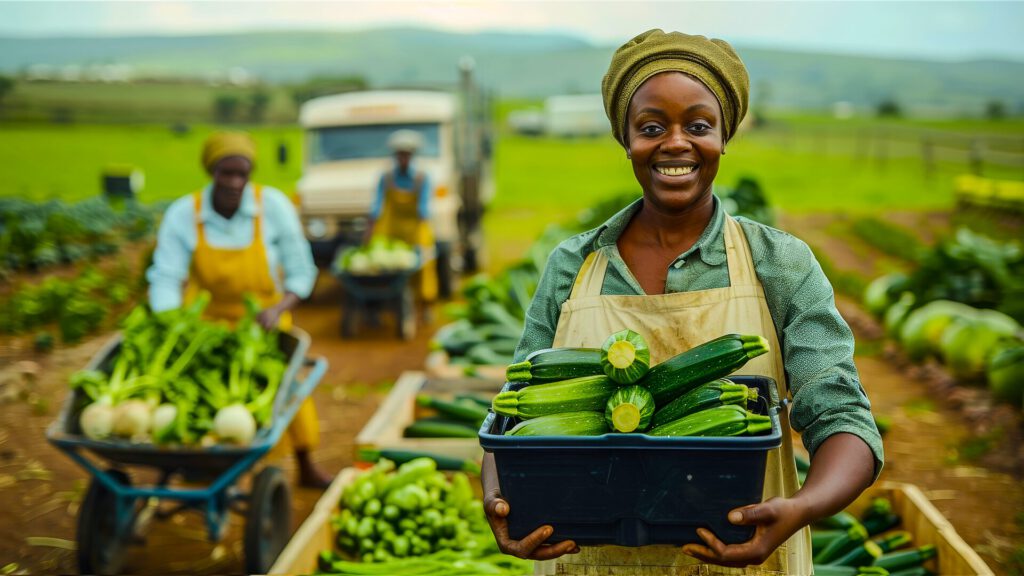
(231, 238)
(401, 209)
(677, 269)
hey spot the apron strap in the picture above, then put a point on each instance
(590, 278)
(257, 221)
(738, 256)
(200, 229)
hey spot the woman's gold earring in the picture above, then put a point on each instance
(723, 150)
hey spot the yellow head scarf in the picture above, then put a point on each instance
(711, 61)
(220, 145)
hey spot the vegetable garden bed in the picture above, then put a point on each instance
(385, 429)
(928, 526)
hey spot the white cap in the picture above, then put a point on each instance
(405, 141)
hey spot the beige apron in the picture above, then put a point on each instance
(672, 323)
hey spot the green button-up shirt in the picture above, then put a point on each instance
(817, 344)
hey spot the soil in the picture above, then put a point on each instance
(928, 444)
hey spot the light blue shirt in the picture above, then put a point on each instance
(405, 181)
(288, 250)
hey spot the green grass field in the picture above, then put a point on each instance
(539, 180)
(40, 162)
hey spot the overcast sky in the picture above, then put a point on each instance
(944, 30)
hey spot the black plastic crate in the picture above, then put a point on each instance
(632, 489)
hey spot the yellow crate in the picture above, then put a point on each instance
(928, 526)
(399, 409)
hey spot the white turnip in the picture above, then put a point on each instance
(234, 424)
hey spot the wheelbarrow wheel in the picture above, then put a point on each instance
(268, 521)
(101, 548)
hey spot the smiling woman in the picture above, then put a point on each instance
(678, 270)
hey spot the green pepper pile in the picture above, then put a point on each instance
(414, 520)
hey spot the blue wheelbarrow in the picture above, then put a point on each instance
(115, 514)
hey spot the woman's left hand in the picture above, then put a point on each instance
(269, 317)
(775, 519)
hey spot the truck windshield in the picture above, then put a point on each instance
(366, 141)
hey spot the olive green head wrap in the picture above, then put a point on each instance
(713, 62)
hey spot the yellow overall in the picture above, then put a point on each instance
(229, 273)
(672, 323)
(400, 218)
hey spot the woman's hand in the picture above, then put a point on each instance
(269, 317)
(530, 548)
(775, 519)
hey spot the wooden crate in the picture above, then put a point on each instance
(928, 526)
(399, 409)
(920, 518)
(315, 534)
(438, 365)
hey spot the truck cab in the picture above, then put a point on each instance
(346, 152)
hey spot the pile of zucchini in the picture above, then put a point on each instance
(489, 323)
(458, 418)
(844, 545)
(592, 391)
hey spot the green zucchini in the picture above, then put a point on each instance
(855, 536)
(402, 456)
(715, 393)
(879, 524)
(836, 570)
(821, 538)
(802, 464)
(860, 556)
(877, 507)
(629, 409)
(579, 423)
(915, 571)
(556, 364)
(482, 354)
(727, 420)
(625, 357)
(704, 363)
(840, 520)
(894, 540)
(456, 338)
(588, 393)
(465, 397)
(420, 429)
(896, 561)
(464, 411)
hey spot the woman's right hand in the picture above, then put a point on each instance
(530, 548)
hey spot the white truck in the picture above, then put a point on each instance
(345, 152)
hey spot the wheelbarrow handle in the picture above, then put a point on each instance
(305, 388)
